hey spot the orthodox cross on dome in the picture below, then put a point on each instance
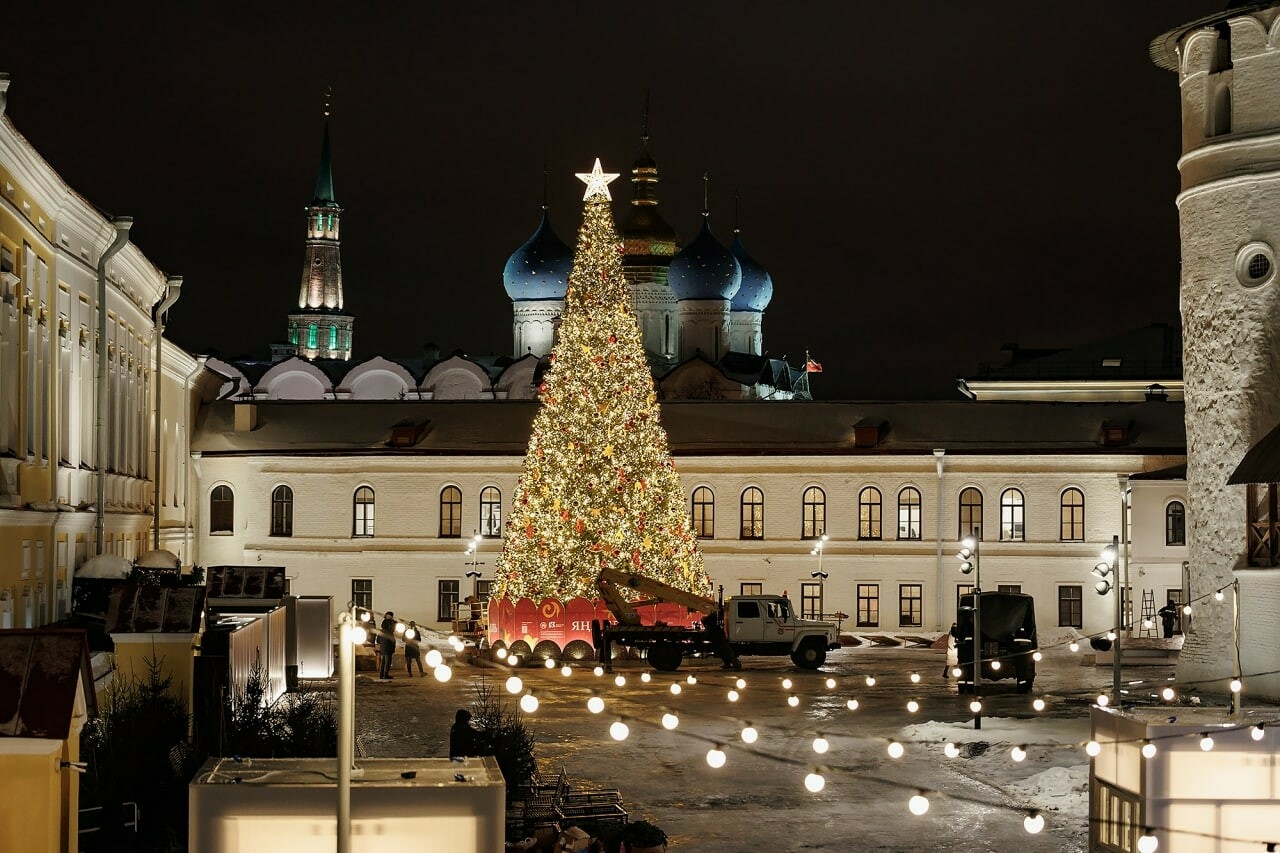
(597, 181)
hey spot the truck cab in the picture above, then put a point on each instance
(767, 625)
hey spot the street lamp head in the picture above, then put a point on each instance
(819, 574)
(1102, 569)
(1109, 555)
(1102, 587)
(823, 538)
(965, 554)
(969, 542)
(966, 568)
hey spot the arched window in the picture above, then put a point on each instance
(814, 522)
(752, 513)
(222, 510)
(363, 512)
(704, 513)
(909, 513)
(970, 513)
(1175, 524)
(450, 512)
(282, 511)
(869, 509)
(490, 512)
(1012, 516)
(1071, 526)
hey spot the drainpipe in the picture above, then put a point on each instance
(184, 448)
(121, 224)
(938, 455)
(174, 286)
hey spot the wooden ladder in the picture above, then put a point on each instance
(1148, 614)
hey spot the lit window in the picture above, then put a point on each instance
(704, 513)
(1071, 526)
(1011, 516)
(752, 513)
(363, 512)
(909, 513)
(970, 513)
(311, 336)
(869, 513)
(450, 512)
(490, 512)
(814, 521)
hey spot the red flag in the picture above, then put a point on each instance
(811, 366)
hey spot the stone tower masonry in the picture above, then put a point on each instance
(1228, 68)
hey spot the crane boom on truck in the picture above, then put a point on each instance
(748, 625)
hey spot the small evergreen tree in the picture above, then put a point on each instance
(504, 735)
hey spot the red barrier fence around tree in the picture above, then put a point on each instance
(555, 628)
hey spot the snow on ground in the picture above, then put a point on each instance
(1054, 776)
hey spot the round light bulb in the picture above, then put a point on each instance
(514, 660)
(1038, 704)
(1186, 610)
(514, 684)
(1018, 753)
(1148, 750)
(915, 678)
(871, 681)
(1217, 596)
(913, 706)
(820, 745)
(1033, 823)
(793, 700)
(692, 679)
(1236, 685)
(741, 684)
(359, 635)
(813, 783)
(951, 751)
(620, 680)
(852, 704)
(1147, 843)
(619, 730)
(1102, 700)
(595, 704)
(500, 654)
(528, 703)
(1093, 748)
(749, 734)
(831, 684)
(956, 672)
(442, 673)
(975, 707)
(670, 721)
(365, 616)
(400, 626)
(995, 666)
(919, 804)
(1167, 694)
(786, 684)
(675, 689)
(434, 658)
(598, 671)
(1037, 657)
(715, 757)
(1075, 647)
(895, 749)
(566, 670)
(550, 663)
(1111, 635)
(1206, 743)
(733, 696)
(1256, 733)
(646, 677)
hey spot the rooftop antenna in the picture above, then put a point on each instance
(644, 123)
(706, 195)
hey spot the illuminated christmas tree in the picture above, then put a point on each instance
(599, 487)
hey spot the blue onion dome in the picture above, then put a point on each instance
(540, 268)
(757, 285)
(704, 269)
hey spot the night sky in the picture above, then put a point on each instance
(924, 181)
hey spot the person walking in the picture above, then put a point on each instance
(386, 645)
(412, 652)
(462, 737)
(1168, 615)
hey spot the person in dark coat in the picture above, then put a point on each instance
(412, 652)
(386, 645)
(462, 737)
(1168, 615)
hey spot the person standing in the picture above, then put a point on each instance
(462, 737)
(1168, 615)
(412, 652)
(386, 645)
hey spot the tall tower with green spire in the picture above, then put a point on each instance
(320, 328)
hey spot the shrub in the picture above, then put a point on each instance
(504, 735)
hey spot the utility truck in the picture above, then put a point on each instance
(1008, 623)
(743, 625)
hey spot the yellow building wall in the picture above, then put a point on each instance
(31, 796)
(173, 653)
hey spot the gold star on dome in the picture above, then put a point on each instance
(597, 182)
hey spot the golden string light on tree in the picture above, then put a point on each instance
(599, 488)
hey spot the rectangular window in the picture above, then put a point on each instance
(362, 592)
(1071, 606)
(811, 600)
(311, 336)
(448, 601)
(333, 338)
(751, 588)
(910, 605)
(483, 590)
(868, 605)
(1009, 587)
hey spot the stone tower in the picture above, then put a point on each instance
(1228, 68)
(320, 328)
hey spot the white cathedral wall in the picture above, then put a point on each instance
(406, 558)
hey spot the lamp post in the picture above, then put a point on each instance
(1106, 571)
(351, 633)
(820, 575)
(970, 561)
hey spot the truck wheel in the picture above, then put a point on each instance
(665, 657)
(809, 656)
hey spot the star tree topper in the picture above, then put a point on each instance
(597, 182)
